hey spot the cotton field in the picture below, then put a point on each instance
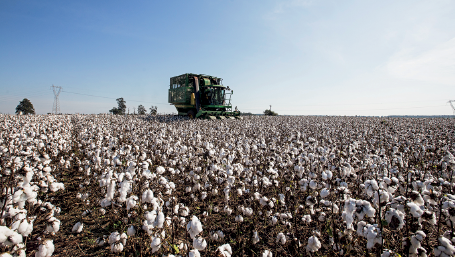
(91, 185)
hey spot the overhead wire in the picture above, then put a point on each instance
(129, 100)
(381, 109)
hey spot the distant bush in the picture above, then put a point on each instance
(270, 113)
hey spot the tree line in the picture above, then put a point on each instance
(121, 108)
(26, 107)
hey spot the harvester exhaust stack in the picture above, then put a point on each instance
(196, 93)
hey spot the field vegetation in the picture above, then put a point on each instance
(115, 185)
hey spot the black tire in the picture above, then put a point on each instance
(191, 114)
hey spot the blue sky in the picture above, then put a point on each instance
(301, 57)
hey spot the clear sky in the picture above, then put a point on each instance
(302, 57)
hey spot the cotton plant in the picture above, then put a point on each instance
(230, 159)
(445, 248)
(416, 248)
(371, 232)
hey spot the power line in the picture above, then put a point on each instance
(416, 107)
(381, 103)
(110, 97)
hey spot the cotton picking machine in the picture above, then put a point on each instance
(201, 96)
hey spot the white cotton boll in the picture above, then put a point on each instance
(19, 250)
(25, 228)
(349, 208)
(185, 211)
(131, 202)
(324, 192)
(5, 255)
(281, 238)
(159, 222)
(372, 232)
(123, 238)
(160, 170)
(322, 216)
(194, 227)
(274, 220)
(387, 253)
(131, 231)
(155, 244)
(225, 250)
(267, 253)
(415, 209)
(46, 249)
(239, 219)
(194, 253)
(417, 198)
(54, 187)
(306, 218)
(117, 247)
(220, 234)
(114, 237)
(9, 237)
(256, 238)
(102, 211)
(247, 211)
(313, 244)
(214, 236)
(199, 243)
(203, 195)
(371, 186)
(227, 210)
(77, 228)
(313, 184)
(447, 247)
(395, 219)
(416, 239)
(53, 225)
(263, 201)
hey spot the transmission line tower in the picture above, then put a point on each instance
(56, 105)
(451, 104)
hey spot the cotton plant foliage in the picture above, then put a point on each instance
(268, 186)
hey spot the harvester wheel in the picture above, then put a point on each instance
(191, 114)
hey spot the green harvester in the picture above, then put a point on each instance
(201, 96)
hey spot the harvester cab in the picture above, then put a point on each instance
(201, 96)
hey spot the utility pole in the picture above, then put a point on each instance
(270, 107)
(56, 105)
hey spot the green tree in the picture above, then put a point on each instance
(25, 106)
(153, 110)
(121, 109)
(270, 113)
(141, 110)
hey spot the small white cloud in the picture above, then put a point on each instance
(436, 65)
(284, 6)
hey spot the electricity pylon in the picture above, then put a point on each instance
(56, 105)
(451, 104)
